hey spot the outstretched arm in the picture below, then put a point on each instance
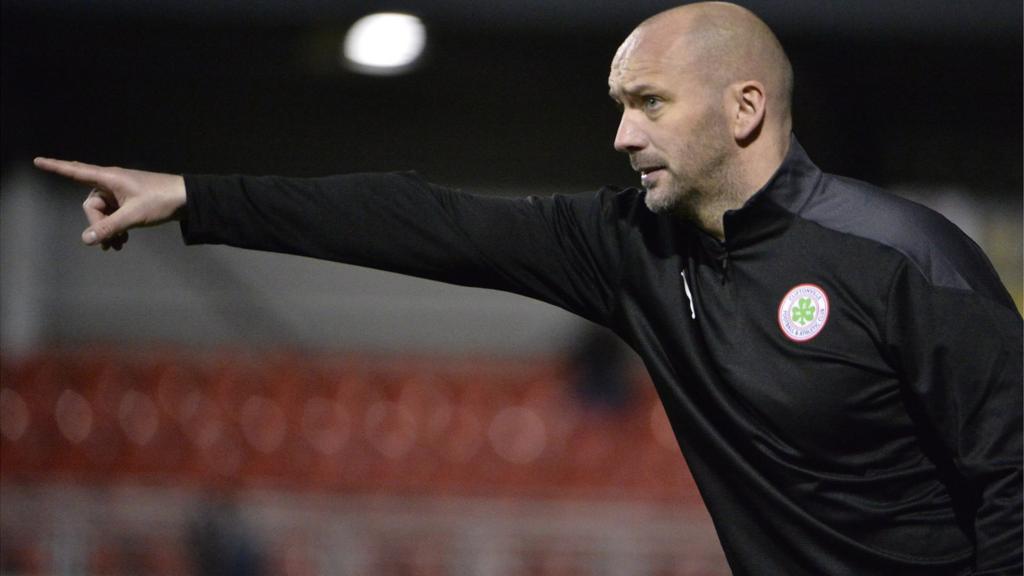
(563, 249)
(121, 199)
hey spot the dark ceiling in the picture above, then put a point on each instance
(509, 95)
(899, 17)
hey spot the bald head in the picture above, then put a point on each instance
(721, 43)
(705, 94)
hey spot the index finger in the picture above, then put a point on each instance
(77, 171)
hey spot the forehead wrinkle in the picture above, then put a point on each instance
(652, 51)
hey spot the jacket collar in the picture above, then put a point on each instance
(771, 209)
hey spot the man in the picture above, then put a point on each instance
(842, 368)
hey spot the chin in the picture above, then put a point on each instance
(660, 201)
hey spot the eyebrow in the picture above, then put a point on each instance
(634, 90)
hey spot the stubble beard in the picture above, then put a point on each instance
(698, 195)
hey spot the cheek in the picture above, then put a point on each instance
(703, 138)
(682, 137)
(682, 151)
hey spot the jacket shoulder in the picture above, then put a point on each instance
(943, 253)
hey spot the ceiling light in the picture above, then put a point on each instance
(384, 43)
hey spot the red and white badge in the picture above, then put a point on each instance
(803, 312)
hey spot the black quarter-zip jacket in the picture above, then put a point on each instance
(842, 373)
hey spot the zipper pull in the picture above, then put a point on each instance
(689, 296)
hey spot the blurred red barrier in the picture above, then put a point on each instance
(340, 423)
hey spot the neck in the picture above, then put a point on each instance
(737, 182)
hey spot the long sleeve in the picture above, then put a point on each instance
(960, 354)
(560, 249)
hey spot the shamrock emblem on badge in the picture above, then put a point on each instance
(803, 312)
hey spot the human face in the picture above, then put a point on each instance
(673, 126)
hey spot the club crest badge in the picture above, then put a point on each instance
(803, 312)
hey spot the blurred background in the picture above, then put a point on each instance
(206, 410)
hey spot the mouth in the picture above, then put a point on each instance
(648, 174)
(645, 167)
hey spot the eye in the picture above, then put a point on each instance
(651, 103)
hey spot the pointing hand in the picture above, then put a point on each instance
(121, 199)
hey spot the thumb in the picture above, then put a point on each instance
(107, 228)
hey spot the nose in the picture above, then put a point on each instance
(629, 138)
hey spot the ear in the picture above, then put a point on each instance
(748, 101)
